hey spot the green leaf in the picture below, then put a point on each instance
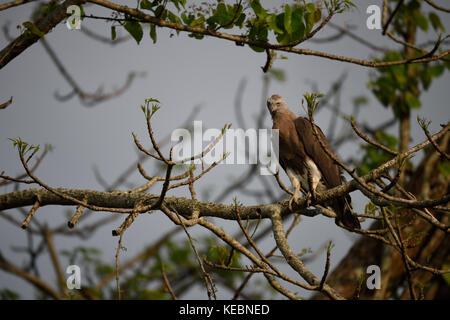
(278, 74)
(317, 15)
(257, 49)
(199, 22)
(146, 5)
(309, 21)
(159, 12)
(258, 9)
(173, 17)
(272, 21)
(187, 19)
(412, 101)
(436, 21)
(310, 7)
(6, 294)
(113, 33)
(444, 168)
(258, 31)
(177, 5)
(82, 13)
(298, 27)
(360, 100)
(135, 29)
(446, 276)
(421, 21)
(224, 15)
(386, 139)
(437, 70)
(240, 21)
(288, 19)
(33, 29)
(221, 9)
(153, 32)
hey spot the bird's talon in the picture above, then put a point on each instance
(293, 199)
(308, 202)
(310, 198)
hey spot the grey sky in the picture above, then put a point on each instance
(181, 72)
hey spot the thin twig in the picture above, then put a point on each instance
(371, 141)
(76, 216)
(30, 214)
(327, 268)
(119, 246)
(434, 5)
(424, 125)
(7, 103)
(14, 4)
(206, 276)
(167, 283)
(389, 20)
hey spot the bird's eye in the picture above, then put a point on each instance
(278, 103)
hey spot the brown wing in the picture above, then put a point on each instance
(292, 153)
(298, 144)
(330, 171)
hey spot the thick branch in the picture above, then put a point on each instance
(295, 262)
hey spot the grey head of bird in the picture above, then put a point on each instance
(276, 104)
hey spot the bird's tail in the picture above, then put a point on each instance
(345, 214)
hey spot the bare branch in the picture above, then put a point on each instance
(166, 281)
(119, 247)
(347, 32)
(389, 20)
(14, 4)
(87, 99)
(76, 216)
(434, 5)
(48, 236)
(369, 140)
(400, 246)
(327, 268)
(35, 281)
(424, 126)
(33, 210)
(210, 288)
(294, 261)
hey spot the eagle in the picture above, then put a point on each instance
(306, 163)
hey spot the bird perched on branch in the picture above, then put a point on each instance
(305, 161)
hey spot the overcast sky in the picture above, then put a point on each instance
(182, 73)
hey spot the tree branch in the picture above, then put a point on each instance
(44, 24)
(142, 17)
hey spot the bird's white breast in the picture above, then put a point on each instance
(295, 177)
